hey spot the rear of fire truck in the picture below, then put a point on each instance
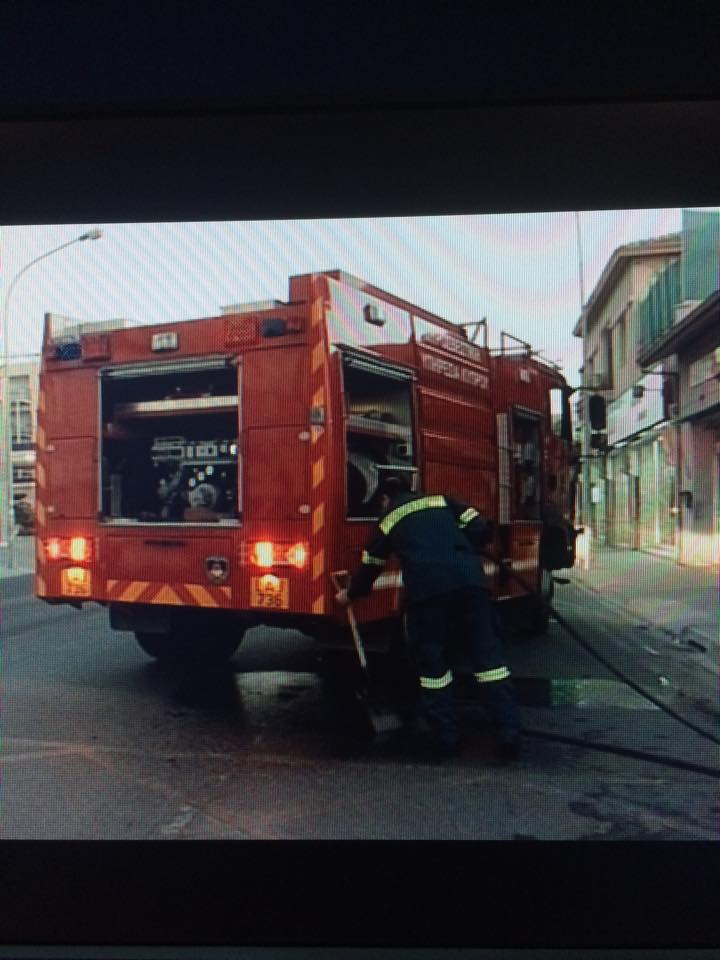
(173, 475)
(192, 475)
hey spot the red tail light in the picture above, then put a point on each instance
(78, 549)
(266, 554)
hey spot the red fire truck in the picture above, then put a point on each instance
(203, 477)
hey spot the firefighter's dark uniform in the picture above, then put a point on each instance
(445, 586)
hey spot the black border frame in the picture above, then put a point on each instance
(337, 162)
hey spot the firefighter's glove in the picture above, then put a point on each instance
(342, 598)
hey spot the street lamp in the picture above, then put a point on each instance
(585, 445)
(7, 518)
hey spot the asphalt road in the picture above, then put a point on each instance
(100, 742)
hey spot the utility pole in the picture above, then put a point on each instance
(7, 504)
(585, 445)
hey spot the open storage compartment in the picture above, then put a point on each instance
(526, 453)
(169, 442)
(379, 428)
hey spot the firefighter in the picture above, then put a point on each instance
(435, 539)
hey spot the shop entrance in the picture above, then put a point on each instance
(666, 498)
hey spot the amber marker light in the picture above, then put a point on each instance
(53, 548)
(75, 582)
(297, 555)
(269, 582)
(263, 554)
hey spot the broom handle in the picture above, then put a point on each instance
(356, 637)
(352, 621)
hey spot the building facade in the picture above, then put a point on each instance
(693, 346)
(652, 349)
(22, 396)
(632, 480)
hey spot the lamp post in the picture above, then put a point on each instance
(7, 518)
(585, 447)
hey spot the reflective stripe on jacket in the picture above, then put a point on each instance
(435, 539)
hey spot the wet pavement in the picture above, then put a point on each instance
(101, 742)
(584, 693)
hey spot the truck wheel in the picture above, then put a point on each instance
(161, 646)
(547, 586)
(193, 650)
(540, 620)
(525, 617)
(536, 616)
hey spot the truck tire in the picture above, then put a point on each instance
(156, 645)
(191, 649)
(536, 616)
(547, 586)
(541, 617)
(525, 617)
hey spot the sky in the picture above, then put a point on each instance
(521, 271)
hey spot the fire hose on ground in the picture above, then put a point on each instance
(609, 748)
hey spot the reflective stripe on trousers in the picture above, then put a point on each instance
(488, 676)
(436, 683)
(468, 614)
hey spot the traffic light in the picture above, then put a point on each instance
(596, 412)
